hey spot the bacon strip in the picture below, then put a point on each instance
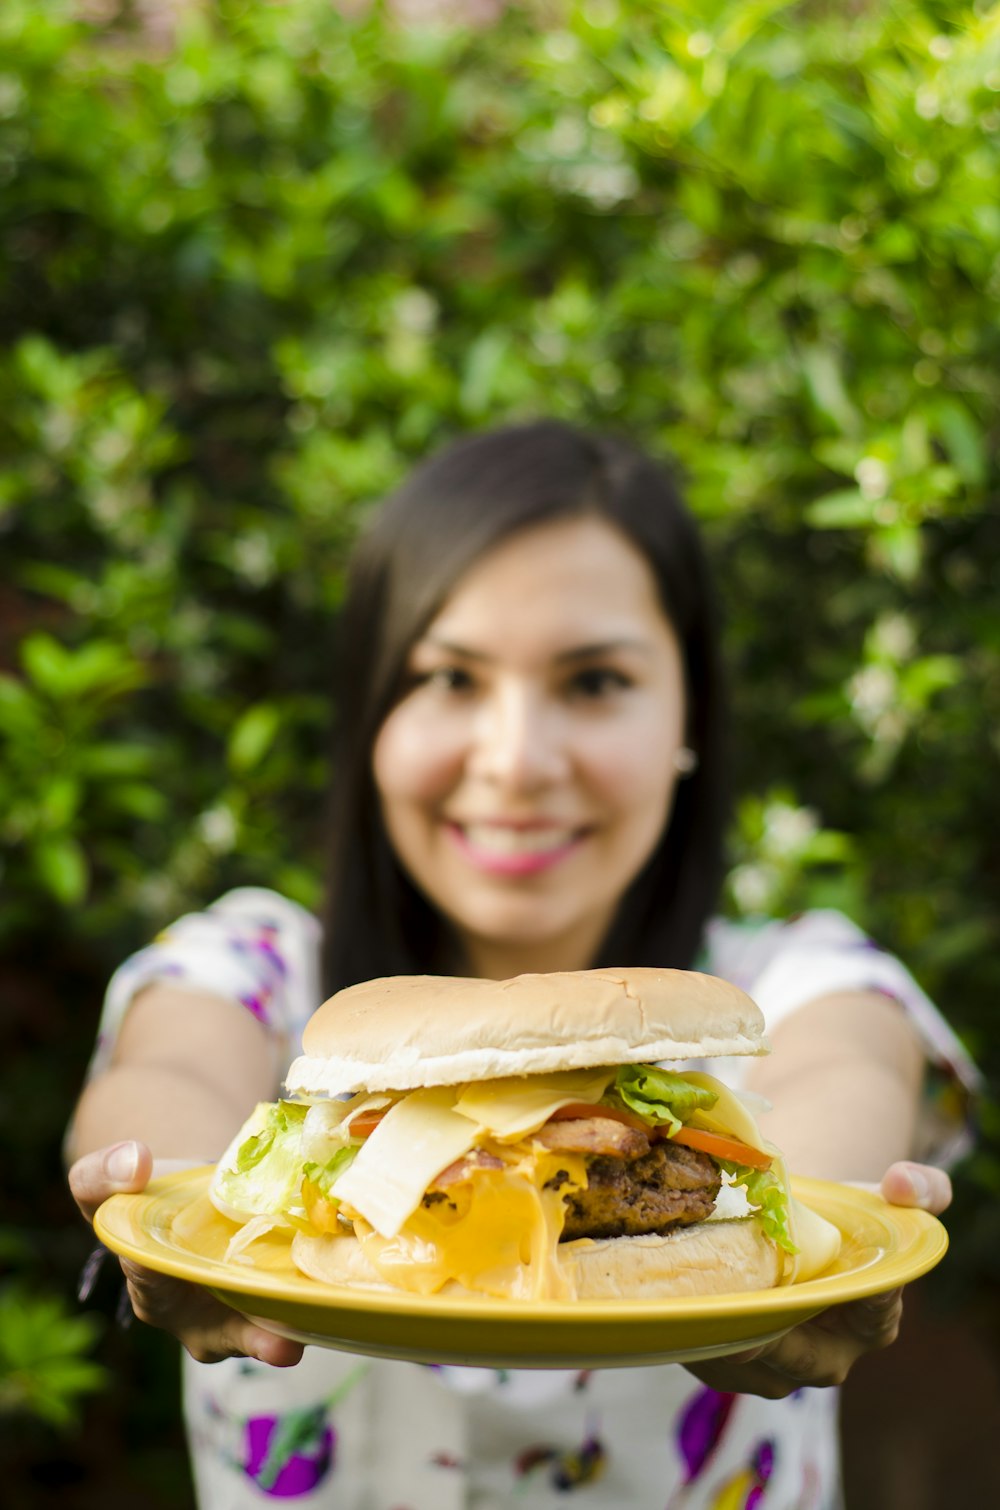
(463, 1168)
(593, 1135)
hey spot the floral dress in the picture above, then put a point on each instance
(354, 1433)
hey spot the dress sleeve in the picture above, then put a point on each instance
(783, 965)
(252, 946)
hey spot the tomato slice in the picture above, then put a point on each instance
(573, 1110)
(366, 1122)
(722, 1147)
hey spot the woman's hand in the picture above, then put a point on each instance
(207, 1328)
(907, 1184)
(822, 1351)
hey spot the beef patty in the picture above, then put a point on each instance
(668, 1187)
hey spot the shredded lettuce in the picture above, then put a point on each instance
(769, 1198)
(660, 1096)
(325, 1176)
(264, 1174)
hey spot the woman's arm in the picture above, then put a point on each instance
(188, 1068)
(844, 1078)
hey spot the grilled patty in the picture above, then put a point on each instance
(668, 1187)
(634, 1186)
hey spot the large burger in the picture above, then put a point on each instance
(534, 1137)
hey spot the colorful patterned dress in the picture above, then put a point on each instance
(353, 1433)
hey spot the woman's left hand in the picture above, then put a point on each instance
(822, 1351)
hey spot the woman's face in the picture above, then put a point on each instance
(527, 773)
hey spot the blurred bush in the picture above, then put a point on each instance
(256, 258)
(43, 1370)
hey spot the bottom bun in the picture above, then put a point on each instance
(710, 1258)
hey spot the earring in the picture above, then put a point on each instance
(685, 760)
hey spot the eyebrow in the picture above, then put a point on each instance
(565, 657)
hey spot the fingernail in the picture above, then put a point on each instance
(921, 1189)
(121, 1163)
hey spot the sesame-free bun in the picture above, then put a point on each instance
(709, 1258)
(407, 1031)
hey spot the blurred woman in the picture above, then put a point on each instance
(529, 776)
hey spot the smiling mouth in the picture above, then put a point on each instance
(504, 849)
(504, 839)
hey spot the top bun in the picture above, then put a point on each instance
(408, 1031)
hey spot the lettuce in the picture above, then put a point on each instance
(262, 1173)
(769, 1198)
(660, 1096)
(325, 1176)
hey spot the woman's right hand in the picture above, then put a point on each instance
(208, 1329)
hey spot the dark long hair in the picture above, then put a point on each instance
(452, 510)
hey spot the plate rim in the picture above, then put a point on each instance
(922, 1241)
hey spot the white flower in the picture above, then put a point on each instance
(217, 829)
(872, 476)
(788, 829)
(752, 887)
(893, 637)
(872, 692)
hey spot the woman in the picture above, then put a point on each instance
(529, 776)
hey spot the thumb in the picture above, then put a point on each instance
(908, 1184)
(96, 1176)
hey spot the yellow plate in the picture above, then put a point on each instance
(172, 1227)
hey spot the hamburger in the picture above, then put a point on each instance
(544, 1137)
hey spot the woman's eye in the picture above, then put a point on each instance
(598, 681)
(446, 679)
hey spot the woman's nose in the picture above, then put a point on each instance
(519, 741)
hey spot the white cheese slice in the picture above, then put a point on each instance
(729, 1114)
(416, 1139)
(817, 1240)
(515, 1105)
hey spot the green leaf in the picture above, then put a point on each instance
(142, 801)
(252, 737)
(20, 714)
(46, 663)
(898, 548)
(62, 868)
(482, 369)
(964, 441)
(60, 802)
(826, 387)
(122, 759)
(100, 666)
(846, 509)
(927, 676)
(42, 1372)
(298, 1431)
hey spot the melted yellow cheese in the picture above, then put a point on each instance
(497, 1233)
(417, 1138)
(429, 1129)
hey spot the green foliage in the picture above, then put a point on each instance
(43, 1370)
(250, 271)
